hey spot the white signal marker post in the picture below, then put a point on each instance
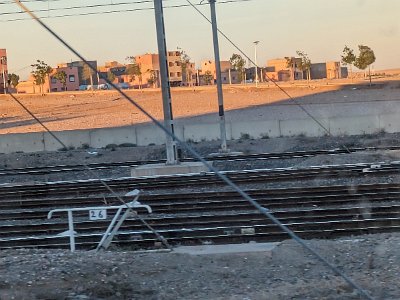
(172, 157)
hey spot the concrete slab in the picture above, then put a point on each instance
(163, 169)
(354, 125)
(21, 142)
(72, 138)
(308, 127)
(389, 123)
(226, 249)
(255, 129)
(106, 136)
(150, 134)
(205, 132)
(225, 154)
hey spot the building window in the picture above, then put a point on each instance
(172, 74)
(224, 78)
(178, 63)
(179, 74)
(171, 64)
(71, 78)
(233, 78)
(53, 80)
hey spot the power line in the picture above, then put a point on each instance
(327, 131)
(266, 212)
(104, 12)
(77, 7)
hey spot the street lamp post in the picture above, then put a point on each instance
(255, 60)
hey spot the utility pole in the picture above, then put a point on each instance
(218, 75)
(255, 61)
(172, 157)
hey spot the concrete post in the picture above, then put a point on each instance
(218, 75)
(172, 157)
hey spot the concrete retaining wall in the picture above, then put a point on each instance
(145, 134)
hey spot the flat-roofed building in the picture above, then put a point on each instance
(327, 70)
(71, 79)
(150, 70)
(3, 71)
(284, 69)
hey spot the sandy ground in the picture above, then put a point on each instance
(81, 110)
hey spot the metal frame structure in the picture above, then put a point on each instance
(112, 228)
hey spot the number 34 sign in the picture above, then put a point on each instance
(97, 214)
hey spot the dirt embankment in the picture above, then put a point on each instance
(289, 272)
(82, 110)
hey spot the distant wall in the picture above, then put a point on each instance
(148, 134)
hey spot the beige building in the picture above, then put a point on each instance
(3, 71)
(71, 82)
(280, 70)
(333, 70)
(328, 70)
(209, 66)
(228, 75)
(150, 71)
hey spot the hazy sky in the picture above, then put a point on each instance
(321, 28)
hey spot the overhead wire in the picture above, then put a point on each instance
(191, 150)
(112, 11)
(78, 7)
(136, 215)
(327, 131)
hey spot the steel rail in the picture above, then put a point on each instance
(85, 187)
(205, 202)
(225, 234)
(43, 170)
(211, 219)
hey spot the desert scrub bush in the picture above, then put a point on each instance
(245, 136)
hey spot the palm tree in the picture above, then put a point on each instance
(134, 69)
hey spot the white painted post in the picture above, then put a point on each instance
(71, 230)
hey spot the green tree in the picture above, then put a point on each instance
(365, 59)
(349, 58)
(208, 77)
(134, 70)
(238, 64)
(304, 64)
(187, 71)
(153, 77)
(291, 65)
(13, 80)
(61, 76)
(40, 73)
(110, 76)
(87, 75)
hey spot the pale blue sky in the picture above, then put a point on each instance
(319, 27)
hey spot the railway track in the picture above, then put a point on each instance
(212, 217)
(237, 157)
(86, 187)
